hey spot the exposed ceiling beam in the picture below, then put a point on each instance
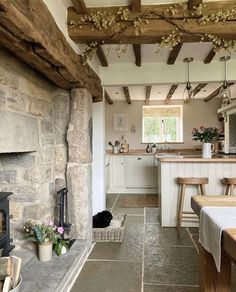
(174, 54)
(155, 29)
(148, 94)
(59, 63)
(209, 57)
(80, 6)
(192, 3)
(136, 5)
(137, 53)
(170, 93)
(198, 88)
(215, 93)
(127, 95)
(101, 56)
(108, 98)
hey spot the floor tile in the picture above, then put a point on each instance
(132, 247)
(152, 215)
(137, 211)
(105, 276)
(169, 288)
(110, 200)
(157, 235)
(171, 265)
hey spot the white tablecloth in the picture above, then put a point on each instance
(212, 222)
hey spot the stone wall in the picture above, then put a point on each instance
(31, 176)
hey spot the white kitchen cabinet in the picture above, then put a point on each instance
(139, 171)
(117, 172)
(132, 174)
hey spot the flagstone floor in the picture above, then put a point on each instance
(150, 259)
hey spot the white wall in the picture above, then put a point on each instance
(98, 185)
(195, 114)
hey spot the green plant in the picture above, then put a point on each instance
(40, 233)
(206, 135)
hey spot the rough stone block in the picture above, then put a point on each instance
(48, 155)
(60, 159)
(47, 139)
(15, 101)
(23, 193)
(61, 105)
(79, 182)
(79, 134)
(18, 133)
(38, 212)
(2, 99)
(39, 107)
(46, 126)
(16, 209)
(18, 159)
(8, 176)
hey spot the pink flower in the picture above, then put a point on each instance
(60, 230)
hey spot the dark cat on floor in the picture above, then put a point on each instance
(102, 219)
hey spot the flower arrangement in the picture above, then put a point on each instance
(42, 233)
(206, 135)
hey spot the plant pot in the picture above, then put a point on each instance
(45, 251)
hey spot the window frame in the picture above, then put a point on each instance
(180, 126)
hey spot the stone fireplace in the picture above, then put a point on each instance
(35, 167)
(5, 239)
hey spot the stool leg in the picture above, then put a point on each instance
(231, 191)
(227, 190)
(180, 209)
(203, 190)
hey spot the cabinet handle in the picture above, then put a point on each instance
(139, 158)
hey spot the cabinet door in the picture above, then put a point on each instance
(139, 171)
(117, 172)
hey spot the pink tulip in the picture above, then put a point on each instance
(60, 230)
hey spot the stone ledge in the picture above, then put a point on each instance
(58, 275)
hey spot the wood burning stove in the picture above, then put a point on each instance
(5, 224)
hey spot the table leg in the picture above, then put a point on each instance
(209, 279)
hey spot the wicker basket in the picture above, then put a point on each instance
(115, 232)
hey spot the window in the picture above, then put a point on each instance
(162, 124)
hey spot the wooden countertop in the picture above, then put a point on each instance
(189, 158)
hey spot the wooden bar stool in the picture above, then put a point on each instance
(200, 182)
(230, 182)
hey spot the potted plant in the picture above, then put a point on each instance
(207, 136)
(46, 235)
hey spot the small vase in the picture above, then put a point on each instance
(207, 149)
(45, 251)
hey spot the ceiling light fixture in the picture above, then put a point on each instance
(188, 91)
(225, 90)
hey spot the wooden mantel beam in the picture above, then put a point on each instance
(152, 32)
(192, 3)
(170, 93)
(29, 31)
(127, 94)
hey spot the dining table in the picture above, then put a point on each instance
(210, 280)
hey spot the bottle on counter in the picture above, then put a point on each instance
(148, 148)
(154, 148)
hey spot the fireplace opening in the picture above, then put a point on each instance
(5, 224)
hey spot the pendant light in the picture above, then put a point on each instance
(224, 93)
(188, 91)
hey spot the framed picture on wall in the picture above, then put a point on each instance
(120, 122)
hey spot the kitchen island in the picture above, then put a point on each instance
(169, 168)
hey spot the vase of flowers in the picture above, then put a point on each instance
(207, 136)
(46, 235)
